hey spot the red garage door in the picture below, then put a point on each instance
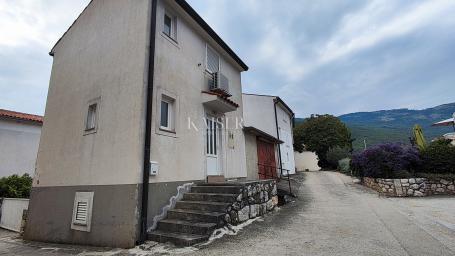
(266, 160)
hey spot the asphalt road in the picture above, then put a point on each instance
(331, 216)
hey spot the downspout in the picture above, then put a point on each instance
(278, 136)
(148, 125)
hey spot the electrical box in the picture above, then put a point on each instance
(154, 167)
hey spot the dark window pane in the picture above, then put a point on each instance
(91, 117)
(167, 25)
(164, 114)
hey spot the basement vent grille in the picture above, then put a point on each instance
(82, 211)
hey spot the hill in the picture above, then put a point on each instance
(395, 125)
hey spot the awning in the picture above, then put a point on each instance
(447, 122)
(263, 135)
(218, 102)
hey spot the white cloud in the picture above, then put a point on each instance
(38, 23)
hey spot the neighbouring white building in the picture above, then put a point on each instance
(268, 125)
(19, 140)
(306, 160)
(141, 92)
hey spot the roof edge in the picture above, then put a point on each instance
(21, 116)
(51, 53)
(201, 22)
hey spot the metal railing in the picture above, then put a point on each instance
(270, 172)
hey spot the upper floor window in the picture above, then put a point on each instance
(90, 123)
(212, 60)
(170, 26)
(92, 116)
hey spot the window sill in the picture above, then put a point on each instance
(166, 132)
(170, 39)
(90, 131)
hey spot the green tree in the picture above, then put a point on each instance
(319, 133)
(16, 186)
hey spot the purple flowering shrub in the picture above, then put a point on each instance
(390, 160)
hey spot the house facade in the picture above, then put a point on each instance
(144, 98)
(268, 124)
(19, 140)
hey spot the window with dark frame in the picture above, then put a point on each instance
(167, 26)
(91, 117)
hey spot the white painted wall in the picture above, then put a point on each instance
(285, 130)
(19, 142)
(306, 160)
(11, 213)
(180, 73)
(259, 112)
(104, 55)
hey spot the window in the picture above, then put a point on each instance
(212, 60)
(82, 211)
(167, 113)
(167, 25)
(90, 123)
(170, 26)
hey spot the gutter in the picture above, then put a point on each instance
(148, 126)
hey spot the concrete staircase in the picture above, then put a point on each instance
(197, 215)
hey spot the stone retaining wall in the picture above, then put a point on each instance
(255, 199)
(411, 187)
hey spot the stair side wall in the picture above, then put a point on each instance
(256, 199)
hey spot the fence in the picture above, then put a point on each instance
(11, 213)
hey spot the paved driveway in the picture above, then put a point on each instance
(331, 216)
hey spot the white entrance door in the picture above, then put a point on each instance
(213, 147)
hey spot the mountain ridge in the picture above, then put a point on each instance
(395, 125)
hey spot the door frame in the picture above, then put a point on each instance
(221, 154)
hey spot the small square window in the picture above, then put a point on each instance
(167, 114)
(90, 123)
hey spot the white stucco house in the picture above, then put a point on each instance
(143, 97)
(19, 140)
(268, 126)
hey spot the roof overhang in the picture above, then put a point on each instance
(263, 135)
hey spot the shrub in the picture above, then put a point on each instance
(320, 132)
(386, 161)
(438, 157)
(16, 186)
(344, 165)
(335, 154)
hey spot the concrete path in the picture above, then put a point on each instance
(331, 216)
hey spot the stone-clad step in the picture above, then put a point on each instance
(198, 228)
(177, 238)
(195, 215)
(219, 189)
(202, 206)
(210, 197)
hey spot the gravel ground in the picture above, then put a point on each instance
(331, 216)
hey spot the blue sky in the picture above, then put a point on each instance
(328, 56)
